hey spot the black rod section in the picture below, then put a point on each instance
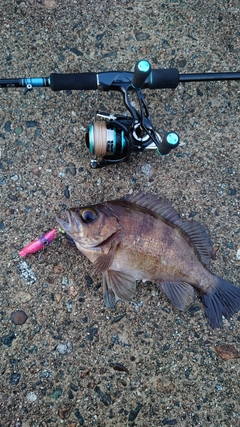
(10, 83)
(201, 77)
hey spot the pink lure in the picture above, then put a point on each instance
(36, 245)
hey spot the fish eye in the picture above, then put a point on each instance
(88, 215)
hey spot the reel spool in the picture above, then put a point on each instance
(110, 140)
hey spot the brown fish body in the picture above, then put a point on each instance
(143, 238)
(152, 249)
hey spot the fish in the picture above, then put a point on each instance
(142, 238)
(38, 244)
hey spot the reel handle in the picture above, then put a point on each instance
(169, 141)
(141, 71)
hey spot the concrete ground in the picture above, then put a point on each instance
(73, 361)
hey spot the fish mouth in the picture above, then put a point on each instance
(73, 225)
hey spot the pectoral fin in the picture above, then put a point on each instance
(117, 285)
(180, 294)
(103, 262)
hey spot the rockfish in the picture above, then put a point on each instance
(142, 238)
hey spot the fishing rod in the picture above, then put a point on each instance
(112, 138)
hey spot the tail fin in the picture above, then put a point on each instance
(223, 300)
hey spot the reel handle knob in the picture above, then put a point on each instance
(141, 72)
(169, 142)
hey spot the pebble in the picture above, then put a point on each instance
(74, 387)
(66, 192)
(119, 367)
(137, 304)
(18, 130)
(45, 374)
(71, 168)
(70, 394)
(182, 63)
(15, 177)
(69, 306)
(79, 417)
(218, 387)
(194, 308)
(230, 245)
(142, 36)
(7, 126)
(37, 329)
(64, 413)
(104, 397)
(169, 109)
(8, 339)
(91, 333)
(227, 351)
(146, 169)
(232, 191)
(118, 318)
(15, 378)
(238, 254)
(72, 291)
(19, 143)
(192, 214)
(99, 36)
(37, 131)
(3, 180)
(58, 297)
(116, 340)
(31, 397)
(31, 123)
(18, 317)
(76, 51)
(13, 197)
(26, 272)
(168, 422)
(57, 393)
(134, 412)
(37, 171)
(65, 348)
(188, 372)
(89, 280)
(65, 280)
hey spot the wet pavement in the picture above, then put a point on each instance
(66, 359)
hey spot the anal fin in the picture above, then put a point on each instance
(180, 294)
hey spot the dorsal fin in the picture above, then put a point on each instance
(160, 206)
(200, 238)
(194, 230)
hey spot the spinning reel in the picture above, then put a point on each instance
(115, 138)
(112, 139)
